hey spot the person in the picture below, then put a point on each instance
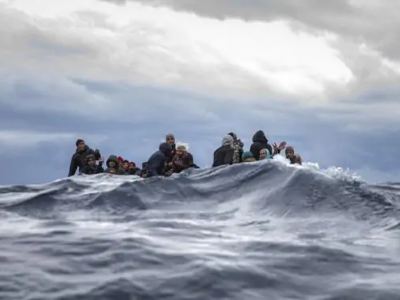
(261, 142)
(291, 156)
(156, 163)
(248, 157)
(170, 139)
(91, 166)
(78, 160)
(264, 154)
(238, 148)
(125, 165)
(113, 165)
(224, 154)
(133, 169)
(182, 160)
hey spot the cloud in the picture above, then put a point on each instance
(375, 23)
(259, 57)
(121, 77)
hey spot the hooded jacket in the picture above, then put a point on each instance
(118, 168)
(259, 142)
(156, 163)
(78, 160)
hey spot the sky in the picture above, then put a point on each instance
(323, 76)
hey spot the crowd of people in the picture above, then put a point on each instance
(171, 158)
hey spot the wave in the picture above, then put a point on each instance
(238, 232)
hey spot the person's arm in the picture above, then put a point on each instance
(73, 166)
(215, 162)
(190, 159)
(99, 168)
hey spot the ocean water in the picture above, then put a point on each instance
(262, 230)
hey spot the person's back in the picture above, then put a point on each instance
(156, 163)
(259, 142)
(224, 154)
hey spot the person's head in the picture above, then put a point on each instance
(126, 164)
(112, 162)
(132, 165)
(170, 139)
(166, 149)
(233, 135)
(80, 144)
(248, 157)
(289, 152)
(91, 160)
(227, 141)
(264, 154)
(180, 150)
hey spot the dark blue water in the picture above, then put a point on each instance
(251, 231)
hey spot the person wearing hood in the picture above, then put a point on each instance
(238, 147)
(264, 154)
(156, 163)
(112, 163)
(261, 142)
(78, 159)
(224, 154)
(248, 157)
(91, 167)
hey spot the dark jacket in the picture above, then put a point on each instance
(156, 163)
(78, 160)
(118, 167)
(167, 168)
(134, 171)
(259, 142)
(223, 156)
(90, 171)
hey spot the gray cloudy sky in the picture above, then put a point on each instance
(323, 75)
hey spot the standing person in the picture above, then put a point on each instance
(78, 159)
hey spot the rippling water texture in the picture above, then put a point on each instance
(251, 231)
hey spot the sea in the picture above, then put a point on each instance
(264, 230)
